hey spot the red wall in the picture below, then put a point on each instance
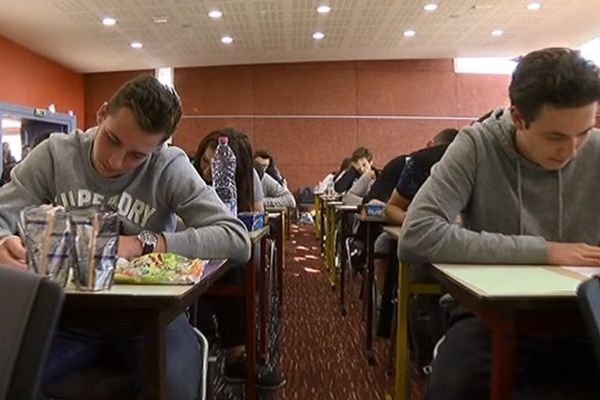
(28, 79)
(311, 115)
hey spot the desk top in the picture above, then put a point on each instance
(119, 290)
(372, 219)
(258, 234)
(516, 281)
(393, 231)
(346, 207)
(121, 297)
(276, 210)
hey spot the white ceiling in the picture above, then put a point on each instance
(265, 31)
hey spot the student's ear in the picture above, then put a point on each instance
(102, 113)
(517, 118)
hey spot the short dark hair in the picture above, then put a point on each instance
(445, 136)
(155, 106)
(361, 152)
(556, 76)
(263, 154)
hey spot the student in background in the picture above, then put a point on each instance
(524, 180)
(426, 317)
(231, 311)
(263, 160)
(275, 194)
(361, 163)
(330, 178)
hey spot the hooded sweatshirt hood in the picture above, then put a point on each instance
(510, 205)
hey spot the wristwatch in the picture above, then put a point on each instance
(149, 241)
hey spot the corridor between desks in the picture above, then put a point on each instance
(321, 352)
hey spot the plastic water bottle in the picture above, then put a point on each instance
(222, 167)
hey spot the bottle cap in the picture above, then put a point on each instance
(223, 140)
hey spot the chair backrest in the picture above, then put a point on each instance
(588, 294)
(29, 311)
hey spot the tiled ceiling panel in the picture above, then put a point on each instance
(266, 31)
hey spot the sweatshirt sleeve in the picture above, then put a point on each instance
(428, 234)
(211, 231)
(29, 186)
(358, 191)
(276, 195)
(345, 181)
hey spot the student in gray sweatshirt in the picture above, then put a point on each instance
(525, 180)
(124, 162)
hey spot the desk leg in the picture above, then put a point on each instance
(503, 360)
(154, 372)
(280, 261)
(322, 226)
(250, 328)
(343, 266)
(402, 358)
(264, 289)
(369, 295)
(331, 223)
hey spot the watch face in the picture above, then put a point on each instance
(149, 240)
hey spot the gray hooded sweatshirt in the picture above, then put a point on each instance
(150, 197)
(510, 205)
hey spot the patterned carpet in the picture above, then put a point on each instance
(321, 352)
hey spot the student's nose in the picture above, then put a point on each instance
(115, 162)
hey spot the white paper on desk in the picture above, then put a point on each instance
(587, 272)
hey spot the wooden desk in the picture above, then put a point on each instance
(249, 292)
(511, 300)
(331, 223)
(344, 210)
(280, 244)
(371, 221)
(405, 290)
(141, 309)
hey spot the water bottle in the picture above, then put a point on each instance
(222, 167)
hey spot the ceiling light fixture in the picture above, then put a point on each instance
(136, 45)
(108, 21)
(318, 35)
(430, 7)
(534, 6)
(409, 33)
(226, 40)
(324, 9)
(160, 20)
(215, 14)
(497, 32)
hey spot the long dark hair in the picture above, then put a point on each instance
(244, 179)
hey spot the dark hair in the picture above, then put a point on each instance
(362, 152)
(156, 107)
(244, 179)
(272, 169)
(343, 166)
(560, 77)
(445, 136)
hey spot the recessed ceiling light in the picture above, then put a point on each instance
(409, 33)
(108, 21)
(497, 32)
(160, 20)
(136, 45)
(318, 35)
(430, 7)
(323, 9)
(226, 40)
(534, 6)
(215, 14)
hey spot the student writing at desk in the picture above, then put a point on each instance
(525, 179)
(125, 162)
